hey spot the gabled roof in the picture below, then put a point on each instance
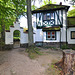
(51, 7)
(71, 21)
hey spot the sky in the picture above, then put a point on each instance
(23, 21)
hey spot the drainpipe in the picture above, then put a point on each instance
(60, 37)
(66, 27)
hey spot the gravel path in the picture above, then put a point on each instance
(16, 62)
(20, 64)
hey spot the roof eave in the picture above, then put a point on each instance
(40, 11)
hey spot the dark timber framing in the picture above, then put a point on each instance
(41, 18)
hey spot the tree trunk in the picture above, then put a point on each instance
(29, 21)
(68, 62)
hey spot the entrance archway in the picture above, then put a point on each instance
(16, 38)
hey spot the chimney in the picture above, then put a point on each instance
(60, 3)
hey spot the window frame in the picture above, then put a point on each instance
(71, 35)
(50, 35)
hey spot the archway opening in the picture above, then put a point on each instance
(16, 38)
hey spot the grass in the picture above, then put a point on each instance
(52, 70)
(33, 52)
(64, 46)
(47, 47)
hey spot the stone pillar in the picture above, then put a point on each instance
(69, 62)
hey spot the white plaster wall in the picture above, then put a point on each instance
(8, 38)
(24, 38)
(63, 30)
(57, 37)
(39, 35)
(34, 23)
(70, 41)
(9, 35)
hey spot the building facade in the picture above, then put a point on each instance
(51, 26)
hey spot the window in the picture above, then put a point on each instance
(50, 35)
(44, 16)
(52, 15)
(48, 16)
(72, 34)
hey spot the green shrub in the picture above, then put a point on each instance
(48, 47)
(64, 46)
(73, 48)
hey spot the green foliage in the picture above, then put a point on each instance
(71, 13)
(9, 10)
(48, 47)
(64, 46)
(45, 2)
(73, 48)
(16, 33)
(33, 52)
(52, 70)
(16, 38)
(33, 7)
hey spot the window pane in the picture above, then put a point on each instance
(53, 36)
(53, 33)
(48, 36)
(44, 16)
(73, 35)
(48, 33)
(48, 16)
(52, 15)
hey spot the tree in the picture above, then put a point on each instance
(47, 2)
(29, 21)
(72, 2)
(9, 11)
(72, 12)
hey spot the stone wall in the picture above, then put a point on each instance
(24, 45)
(50, 44)
(71, 45)
(8, 47)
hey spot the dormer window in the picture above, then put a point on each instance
(48, 16)
(44, 16)
(52, 15)
(48, 19)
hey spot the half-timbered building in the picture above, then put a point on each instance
(50, 25)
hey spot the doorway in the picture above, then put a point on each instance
(16, 38)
